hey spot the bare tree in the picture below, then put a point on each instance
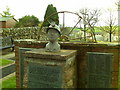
(90, 18)
(84, 13)
(118, 4)
(110, 27)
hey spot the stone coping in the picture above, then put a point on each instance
(41, 53)
(34, 41)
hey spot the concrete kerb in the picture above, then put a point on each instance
(7, 77)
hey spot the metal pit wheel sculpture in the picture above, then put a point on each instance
(65, 37)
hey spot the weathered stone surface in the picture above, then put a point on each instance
(42, 72)
(24, 33)
(41, 53)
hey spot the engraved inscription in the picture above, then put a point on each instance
(99, 70)
(40, 76)
(96, 81)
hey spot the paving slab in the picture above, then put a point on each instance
(7, 77)
(10, 56)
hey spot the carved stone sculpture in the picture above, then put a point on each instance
(53, 33)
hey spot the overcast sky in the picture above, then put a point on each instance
(20, 8)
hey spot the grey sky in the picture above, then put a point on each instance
(21, 8)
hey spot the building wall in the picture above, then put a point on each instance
(10, 23)
(2, 24)
(82, 49)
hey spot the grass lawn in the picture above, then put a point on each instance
(119, 79)
(9, 83)
(4, 62)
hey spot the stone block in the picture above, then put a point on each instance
(49, 70)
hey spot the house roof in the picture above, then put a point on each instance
(99, 33)
(6, 18)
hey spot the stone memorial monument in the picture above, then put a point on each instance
(50, 67)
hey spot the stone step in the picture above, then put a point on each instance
(7, 77)
(8, 69)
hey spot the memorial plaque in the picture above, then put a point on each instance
(96, 81)
(99, 70)
(21, 59)
(41, 76)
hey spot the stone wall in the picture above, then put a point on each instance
(82, 49)
(24, 33)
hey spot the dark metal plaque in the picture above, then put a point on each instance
(97, 81)
(40, 76)
(99, 70)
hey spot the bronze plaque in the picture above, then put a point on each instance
(41, 76)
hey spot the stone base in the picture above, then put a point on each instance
(50, 70)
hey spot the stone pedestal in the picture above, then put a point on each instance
(50, 70)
